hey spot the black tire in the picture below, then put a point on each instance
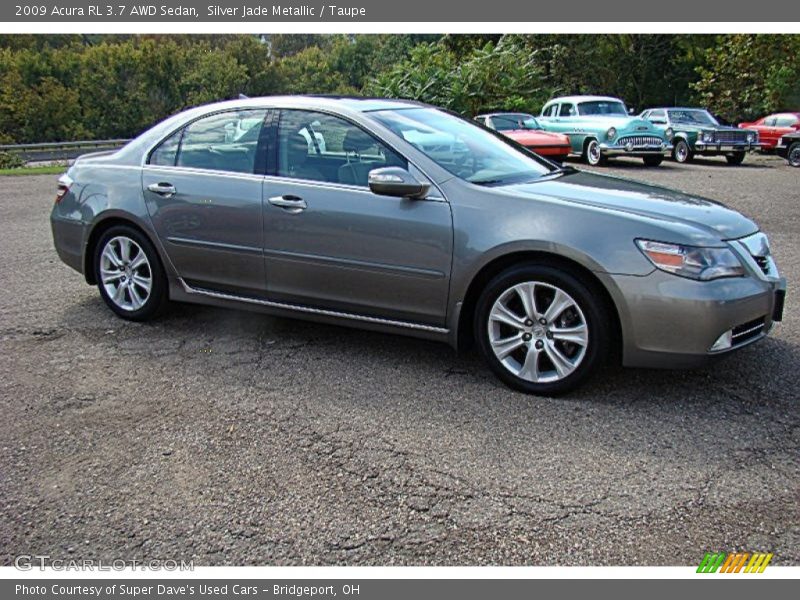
(157, 297)
(595, 315)
(592, 155)
(653, 161)
(735, 159)
(681, 152)
(793, 155)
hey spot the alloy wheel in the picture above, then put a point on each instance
(794, 155)
(681, 152)
(125, 273)
(538, 332)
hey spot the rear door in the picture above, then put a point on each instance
(203, 193)
(329, 242)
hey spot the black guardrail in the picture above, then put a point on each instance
(60, 150)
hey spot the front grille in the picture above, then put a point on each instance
(747, 331)
(640, 141)
(727, 137)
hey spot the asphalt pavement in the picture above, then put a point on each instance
(227, 437)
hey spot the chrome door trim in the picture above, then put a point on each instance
(213, 245)
(310, 310)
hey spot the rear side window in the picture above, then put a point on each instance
(567, 110)
(785, 121)
(167, 151)
(222, 142)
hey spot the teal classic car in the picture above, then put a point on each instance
(696, 131)
(600, 127)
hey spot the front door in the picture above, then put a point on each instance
(329, 242)
(204, 197)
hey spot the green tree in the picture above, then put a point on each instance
(505, 75)
(746, 76)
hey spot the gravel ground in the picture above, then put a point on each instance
(228, 437)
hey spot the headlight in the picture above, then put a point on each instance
(669, 133)
(708, 136)
(693, 262)
(751, 137)
(611, 133)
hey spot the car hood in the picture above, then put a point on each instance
(534, 136)
(628, 196)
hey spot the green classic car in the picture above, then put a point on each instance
(600, 127)
(696, 132)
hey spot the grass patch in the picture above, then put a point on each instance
(48, 170)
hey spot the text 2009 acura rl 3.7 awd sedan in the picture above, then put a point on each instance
(400, 217)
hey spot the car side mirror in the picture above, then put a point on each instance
(395, 181)
(632, 111)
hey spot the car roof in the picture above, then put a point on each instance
(504, 112)
(575, 99)
(346, 103)
(676, 108)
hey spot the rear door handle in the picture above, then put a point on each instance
(162, 189)
(292, 204)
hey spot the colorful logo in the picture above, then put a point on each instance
(735, 562)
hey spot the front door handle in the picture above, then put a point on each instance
(162, 189)
(292, 204)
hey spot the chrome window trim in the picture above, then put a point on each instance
(144, 164)
(199, 171)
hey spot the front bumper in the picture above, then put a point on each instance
(551, 150)
(725, 147)
(607, 149)
(672, 322)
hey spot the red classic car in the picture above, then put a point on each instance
(772, 127)
(525, 129)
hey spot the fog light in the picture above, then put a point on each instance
(724, 342)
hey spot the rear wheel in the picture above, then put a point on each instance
(129, 274)
(681, 152)
(653, 161)
(541, 329)
(793, 154)
(592, 154)
(735, 159)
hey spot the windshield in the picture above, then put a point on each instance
(514, 122)
(462, 148)
(602, 107)
(694, 117)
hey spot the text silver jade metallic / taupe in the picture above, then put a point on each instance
(399, 217)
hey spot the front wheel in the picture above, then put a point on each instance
(541, 329)
(793, 154)
(653, 161)
(735, 159)
(129, 274)
(592, 154)
(681, 152)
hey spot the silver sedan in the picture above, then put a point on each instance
(401, 217)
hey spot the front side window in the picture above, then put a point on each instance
(321, 147)
(461, 147)
(567, 110)
(602, 107)
(221, 142)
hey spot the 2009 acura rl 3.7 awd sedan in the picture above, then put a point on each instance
(400, 217)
